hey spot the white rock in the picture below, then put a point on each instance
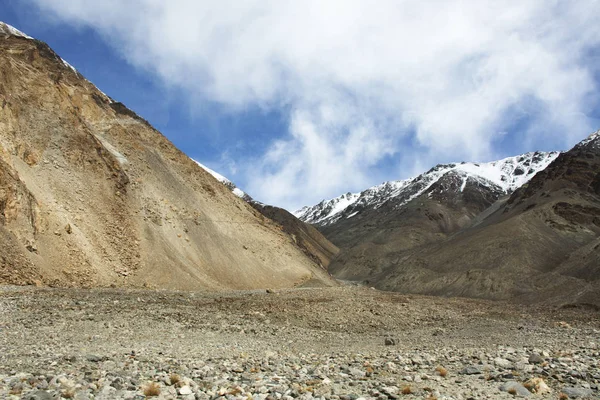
(184, 390)
(502, 362)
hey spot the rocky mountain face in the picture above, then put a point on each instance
(306, 236)
(528, 231)
(92, 195)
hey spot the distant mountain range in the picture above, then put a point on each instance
(501, 177)
(524, 228)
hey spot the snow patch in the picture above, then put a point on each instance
(69, 66)
(238, 192)
(110, 101)
(215, 174)
(12, 31)
(464, 183)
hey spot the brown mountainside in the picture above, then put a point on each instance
(91, 194)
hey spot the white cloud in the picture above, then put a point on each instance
(365, 78)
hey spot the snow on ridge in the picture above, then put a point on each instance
(593, 137)
(344, 203)
(512, 172)
(69, 65)
(326, 209)
(507, 174)
(234, 189)
(239, 192)
(333, 209)
(215, 174)
(12, 31)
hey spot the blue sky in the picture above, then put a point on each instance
(300, 101)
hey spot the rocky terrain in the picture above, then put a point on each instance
(327, 343)
(92, 195)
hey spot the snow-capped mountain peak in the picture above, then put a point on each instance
(327, 209)
(509, 173)
(505, 175)
(593, 138)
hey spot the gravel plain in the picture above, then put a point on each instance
(343, 343)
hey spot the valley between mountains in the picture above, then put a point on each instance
(130, 271)
(525, 228)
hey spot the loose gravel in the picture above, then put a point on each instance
(345, 343)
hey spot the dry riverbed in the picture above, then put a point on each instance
(329, 343)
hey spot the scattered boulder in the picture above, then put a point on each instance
(575, 393)
(536, 359)
(537, 386)
(94, 358)
(185, 390)
(471, 370)
(40, 395)
(515, 388)
(31, 247)
(502, 362)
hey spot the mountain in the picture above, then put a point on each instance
(7, 30)
(436, 203)
(307, 237)
(92, 195)
(503, 176)
(474, 236)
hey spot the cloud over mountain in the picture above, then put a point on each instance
(417, 81)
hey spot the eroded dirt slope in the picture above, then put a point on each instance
(92, 195)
